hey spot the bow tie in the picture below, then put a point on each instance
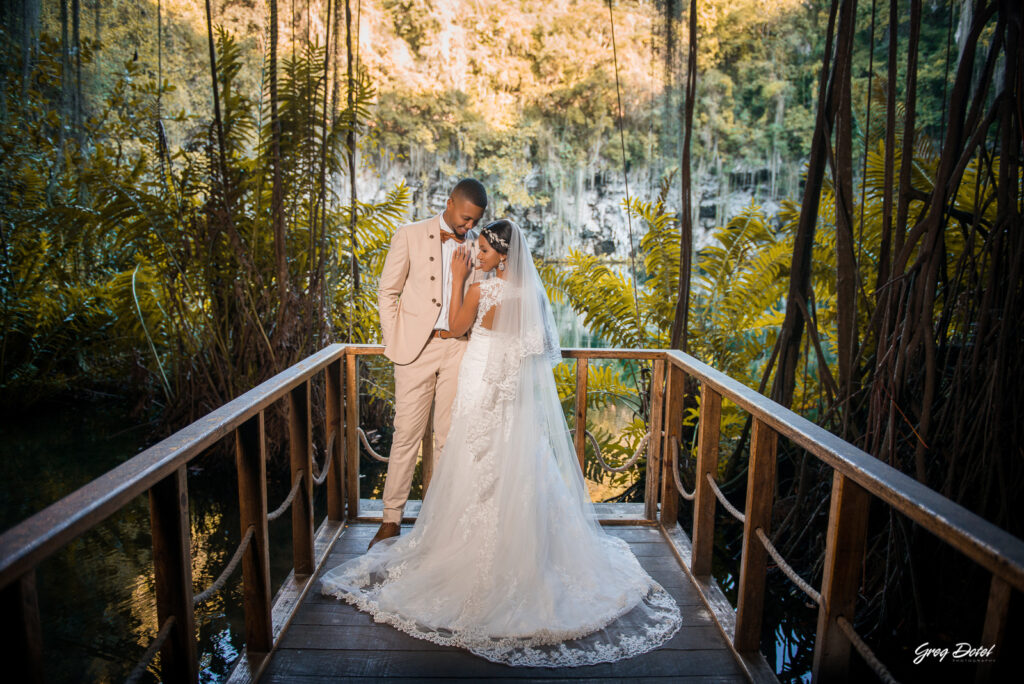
(445, 236)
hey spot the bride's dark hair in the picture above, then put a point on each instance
(498, 235)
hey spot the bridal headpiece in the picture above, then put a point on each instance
(494, 238)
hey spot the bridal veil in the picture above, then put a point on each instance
(507, 558)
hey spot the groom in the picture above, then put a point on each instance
(413, 295)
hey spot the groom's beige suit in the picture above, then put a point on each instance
(415, 286)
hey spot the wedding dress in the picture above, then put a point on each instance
(506, 558)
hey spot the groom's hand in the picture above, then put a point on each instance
(461, 264)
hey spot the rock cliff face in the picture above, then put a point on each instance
(523, 94)
(591, 220)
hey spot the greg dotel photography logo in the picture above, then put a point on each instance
(961, 652)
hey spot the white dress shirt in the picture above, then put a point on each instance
(448, 248)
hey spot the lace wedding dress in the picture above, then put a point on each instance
(506, 558)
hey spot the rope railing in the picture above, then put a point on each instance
(593, 442)
(786, 568)
(369, 449)
(675, 472)
(865, 651)
(725, 502)
(226, 572)
(320, 473)
(625, 466)
(287, 502)
(140, 667)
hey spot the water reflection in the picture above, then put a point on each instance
(788, 621)
(97, 595)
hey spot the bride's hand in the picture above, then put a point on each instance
(461, 263)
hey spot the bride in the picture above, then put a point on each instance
(506, 558)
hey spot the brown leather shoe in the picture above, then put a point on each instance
(386, 531)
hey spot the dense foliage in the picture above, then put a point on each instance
(152, 270)
(179, 224)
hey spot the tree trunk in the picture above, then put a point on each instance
(350, 147)
(800, 270)
(902, 214)
(680, 322)
(76, 16)
(317, 287)
(846, 262)
(276, 188)
(29, 21)
(884, 274)
(65, 96)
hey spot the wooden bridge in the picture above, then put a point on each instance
(299, 635)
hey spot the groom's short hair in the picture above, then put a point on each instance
(473, 190)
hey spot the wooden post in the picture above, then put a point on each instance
(22, 647)
(172, 566)
(657, 419)
(299, 447)
(427, 449)
(580, 438)
(351, 436)
(844, 552)
(758, 513)
(674, 396)
(995, 626)
(708, 432)
(250, 458)
(335, 440)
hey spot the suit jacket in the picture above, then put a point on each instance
(409, 292)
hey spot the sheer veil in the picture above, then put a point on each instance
(507, 558)
(601, 605)
(521, 369)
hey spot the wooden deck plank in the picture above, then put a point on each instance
(374, 638)
(662, 569)
(331, 640)
(684, 596)
(648, 563)
(355, 545)
(612, 514)
(629, 533)
(670, 679)
(341, 613)
(304, 662)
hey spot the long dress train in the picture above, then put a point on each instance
(506, 558)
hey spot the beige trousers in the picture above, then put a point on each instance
(430, 379)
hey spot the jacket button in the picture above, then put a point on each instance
(438, 304)
(434, 300)
(432, 277)
(431, 236)
(431, 258)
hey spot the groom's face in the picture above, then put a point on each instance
(461, 214)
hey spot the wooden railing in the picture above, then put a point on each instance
(623, 514)
(161, 471)
(857, 477)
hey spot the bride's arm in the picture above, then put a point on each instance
(462, 311)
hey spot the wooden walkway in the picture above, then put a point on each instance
(329, 640)
(302, 636)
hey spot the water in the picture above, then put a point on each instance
(788, 622)
(571, 330)
(97, 595)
